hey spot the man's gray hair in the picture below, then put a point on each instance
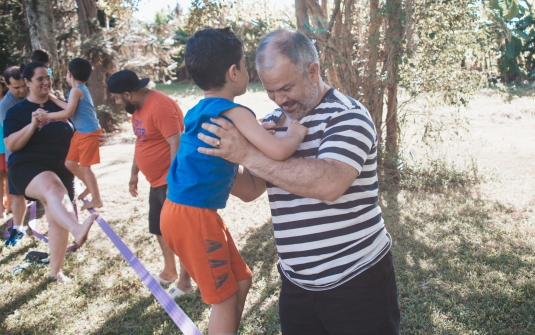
(288, 42)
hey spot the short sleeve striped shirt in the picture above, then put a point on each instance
(324, 244)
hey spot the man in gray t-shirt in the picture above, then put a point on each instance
(17, 92)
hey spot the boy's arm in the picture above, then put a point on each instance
(55, 99)
(274, 147)
(246, 186)
(75, 96)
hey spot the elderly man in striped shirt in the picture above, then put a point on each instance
(334, 251)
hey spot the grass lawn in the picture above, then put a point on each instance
(464, 245)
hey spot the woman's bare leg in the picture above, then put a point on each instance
(58, 238)
(47, 187)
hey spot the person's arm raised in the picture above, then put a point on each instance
(69, 108)
(273, 147)
(324, 179)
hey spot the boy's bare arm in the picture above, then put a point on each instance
(277, 148)
(57, 101)
(246, 186)
(75, 96)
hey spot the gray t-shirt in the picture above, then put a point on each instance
(6, 103)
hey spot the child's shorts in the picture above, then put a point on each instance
(203, 243)
(3, 163)
(84, 148)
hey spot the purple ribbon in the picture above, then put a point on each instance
(169, 305)
(32, 224)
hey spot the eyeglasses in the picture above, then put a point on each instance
(39, 80)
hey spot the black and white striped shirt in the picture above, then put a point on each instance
(323, 244)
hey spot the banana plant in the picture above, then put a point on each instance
(514, 22)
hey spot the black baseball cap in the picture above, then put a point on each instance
(126, 81)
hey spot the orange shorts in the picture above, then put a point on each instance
(3, 163)
(200, 238)
(84, 148)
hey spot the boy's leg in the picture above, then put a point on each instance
(157, 198)
(75, 169)
(226, 316)
(223, 317)
(89, 154)
(73, 166)
(91, 182)
(243, 289)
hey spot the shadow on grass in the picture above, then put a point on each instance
(141, 317)
(19, 301)
(17, 252)
(459, 269)
(146, 316)
(260, 254)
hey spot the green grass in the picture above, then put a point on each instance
(185, 89)
(464, 265)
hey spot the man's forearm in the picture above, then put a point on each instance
(311, 178)
(135, 169)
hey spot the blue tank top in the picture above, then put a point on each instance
(195, 179)
(85, 118)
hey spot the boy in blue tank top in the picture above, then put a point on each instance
(199, 185)
(84, 148)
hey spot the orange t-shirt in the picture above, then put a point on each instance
(159, 118)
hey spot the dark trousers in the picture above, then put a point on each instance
(366, 304)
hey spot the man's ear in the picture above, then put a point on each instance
(127, 96)
(232, 72)
(314, 72)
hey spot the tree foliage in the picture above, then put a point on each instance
(15, 43)
(513, 23)
(249, 21)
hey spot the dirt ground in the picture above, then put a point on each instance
(109, 298)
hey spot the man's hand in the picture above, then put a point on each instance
(102, 138)
(133, 185)
(232, 145)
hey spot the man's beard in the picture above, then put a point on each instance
(306, 103)
(129, 107)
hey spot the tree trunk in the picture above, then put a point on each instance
(394, 36)
(41, 23)
(87, 22)
(87, 16)
(301, 15)
(373, 86)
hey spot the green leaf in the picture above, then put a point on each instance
(512, 12)
(521, 34)
(495, 4)
(510, 51)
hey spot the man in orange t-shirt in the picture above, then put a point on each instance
(158, 123)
